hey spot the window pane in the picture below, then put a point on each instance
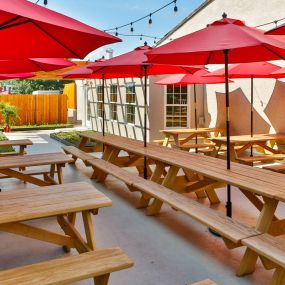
(169, 99)
(169, 89)
(184, 89)
(184, 99)
(177, 99)
(176, 106)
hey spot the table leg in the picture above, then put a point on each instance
(263, 225)
(168, 181)
(278, 277)
(89, 229)
(59, 173)
(156, 175)
(166, 140)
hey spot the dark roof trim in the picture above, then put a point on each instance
(188, 18)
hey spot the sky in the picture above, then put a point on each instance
(106, 14)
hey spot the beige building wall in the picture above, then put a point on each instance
(212, 96)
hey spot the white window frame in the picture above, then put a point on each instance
(113, 103)
(99, 101)
(186, 105)
(127, 104)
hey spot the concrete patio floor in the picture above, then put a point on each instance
(170, 249)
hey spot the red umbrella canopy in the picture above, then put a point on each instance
(207, 46)
(280, 30)
(246, 70)
(86, 73)
(16, 76)
(131, 64)
(44, 33)
(280, 73)
(33, 64)
(196, 78)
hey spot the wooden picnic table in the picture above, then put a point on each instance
(246, 142)
(203, 172)
(12, 167)
(191, 133)
(61, 201)
(22, 144)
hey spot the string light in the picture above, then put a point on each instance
(45, 2)
(175, 9)
(150, 20)
(116, 32)
(148, 16)
(141, 38)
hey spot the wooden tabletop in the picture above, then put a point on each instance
(34, 160)
(258, 181)
(191, 131)
(248, 138)
(27, 204)
(16, 142)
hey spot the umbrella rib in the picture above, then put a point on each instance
(2, 27)
(274, 52)
(55, 39)
(209, 57)
(9, 21)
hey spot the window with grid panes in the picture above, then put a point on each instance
(99, 91)
(176, 106)
(130, 108)
(113, 101)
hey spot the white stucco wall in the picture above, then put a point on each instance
(253, 13)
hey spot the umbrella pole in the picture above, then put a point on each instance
(251, 112)
(103, 109)
(229, 203)
(196, 124)
(145, 120)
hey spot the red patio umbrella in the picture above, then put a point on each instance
(133, 64)
(16, 76)
(280, 30)
(33, 64)
(41, 32)
(198, 77)
(223, 41)
(249, 70)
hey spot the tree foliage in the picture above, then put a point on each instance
(28, 86)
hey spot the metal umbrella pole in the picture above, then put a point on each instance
(251, 112)
(195, 111)
(229, 203)
(145, 120)
(103, 110)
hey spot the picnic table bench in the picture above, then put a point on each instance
(241, 144)
(63, 202)
(191, 134)
(204, 282)
(207, 173)
(11, 167)
(97, 264)
(22, 144)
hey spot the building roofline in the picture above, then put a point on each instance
(190, 16)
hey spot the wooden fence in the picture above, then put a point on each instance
(38, 109)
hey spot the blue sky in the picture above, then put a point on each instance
(106, 14)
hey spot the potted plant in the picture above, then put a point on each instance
(9, 113)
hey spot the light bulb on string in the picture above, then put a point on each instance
(45, 2)
(154, 40)
(116, 32)
(150, 21)
(175, 9)
(132, 28)
(141, 38)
